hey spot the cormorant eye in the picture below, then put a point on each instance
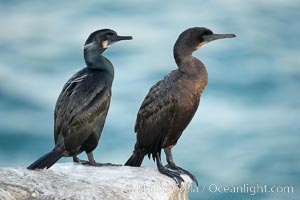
(205, 33)
(107, 36)
(208, 32)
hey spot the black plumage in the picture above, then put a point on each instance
(171, 103)
(83, 103)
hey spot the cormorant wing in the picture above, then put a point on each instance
(155, 117)
(81, 102)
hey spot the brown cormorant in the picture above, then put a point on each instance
(171, 104)
(83, 103)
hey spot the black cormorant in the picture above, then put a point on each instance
(171, 104)
(83, 103)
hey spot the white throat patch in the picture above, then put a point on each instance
(105, 44)
(201, 44)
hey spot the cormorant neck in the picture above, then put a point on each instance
(181, 53)
(185, 61)
(95, 60)
(190, 66)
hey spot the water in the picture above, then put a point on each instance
(246, 130)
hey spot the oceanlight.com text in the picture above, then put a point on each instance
(247, 189)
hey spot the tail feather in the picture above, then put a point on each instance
(135, 160)
(46, 161)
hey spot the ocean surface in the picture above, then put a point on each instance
(246, 131)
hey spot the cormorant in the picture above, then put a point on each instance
(83, 103)
(171, 104)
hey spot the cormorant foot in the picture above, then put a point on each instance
(182, 171)
(105, 164)
(95, 164)
(92, 162)
(172, 174)
(79, 161)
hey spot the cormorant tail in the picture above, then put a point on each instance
(46, 161)
(137, 157)
(135, 160)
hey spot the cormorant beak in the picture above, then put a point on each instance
(209, 38)
(116, 38)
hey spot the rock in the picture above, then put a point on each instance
(70, 181)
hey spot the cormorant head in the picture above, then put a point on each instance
(193, 38)
(102, 39)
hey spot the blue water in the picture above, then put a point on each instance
(246, 130)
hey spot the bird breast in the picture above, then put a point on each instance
(190, 92)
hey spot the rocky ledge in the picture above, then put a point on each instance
(70, 181)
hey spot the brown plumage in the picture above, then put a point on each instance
(171, 104)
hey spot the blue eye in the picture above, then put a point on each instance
(107, 36)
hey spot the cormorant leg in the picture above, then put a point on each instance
(172, 174)
(94, 163)
(171, 164)
(169, 156)
(77, 160)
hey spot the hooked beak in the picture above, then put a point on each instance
(116, 38)
(209, 38)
